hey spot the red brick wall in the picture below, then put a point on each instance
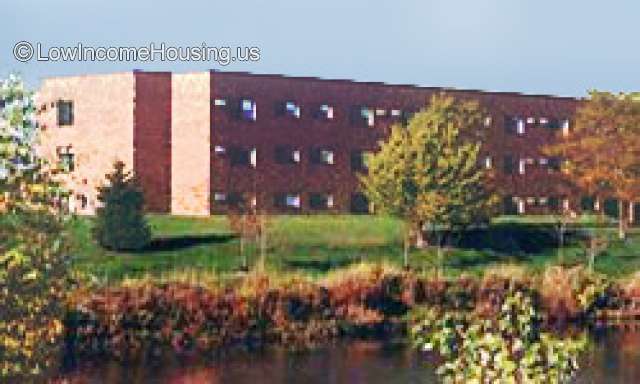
(152, 138)
(346, 133)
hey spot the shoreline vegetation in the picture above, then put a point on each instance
(358, 301)
(315, 245)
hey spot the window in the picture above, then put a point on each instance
(360, 160)
(520, 127)
(488, 162)
(66, 159)
(508, 164)
(219, 150)
(84, 202)
(565, 127)
(292, 109)
(359, 203)
(326, 111)
(322, 156)
(287, 200)
(219, 197)
(65, 113)
(487, 121)
(293, 201)
(248, 109)
(381, 112)
(326, 156)
(240, 157)
(522, 166)
(531, 120)
(321, 201)
(543, 161)
(514, 125)
(368, 115)
(220, 102)
(287, 155)
(509, 205)
(396, 113)
(587, 203)
(554, 164)
(253, 157)
(235, 199)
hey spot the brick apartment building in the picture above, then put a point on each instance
(200, 142)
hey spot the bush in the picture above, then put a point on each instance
(32, 292)
(120, 223)
(506, 348)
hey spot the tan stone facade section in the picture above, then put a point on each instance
(190, 144)
(101, 133)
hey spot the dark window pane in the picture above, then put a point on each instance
(65, 113)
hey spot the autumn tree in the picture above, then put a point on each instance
(34, 254)
(602, 153)
(427, 173)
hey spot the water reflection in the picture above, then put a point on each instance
(344, 362)
(613, 356)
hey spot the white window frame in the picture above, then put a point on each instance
(520, 126)
(253, 157)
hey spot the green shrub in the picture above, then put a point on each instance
(120, 223)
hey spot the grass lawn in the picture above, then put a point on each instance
(316, 244)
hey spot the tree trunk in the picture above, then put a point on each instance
(263, 242)
(592, 257)
(405, 251)
(561, 232)
(621, 221)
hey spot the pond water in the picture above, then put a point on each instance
(613, 357)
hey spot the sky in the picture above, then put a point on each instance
(538, 47)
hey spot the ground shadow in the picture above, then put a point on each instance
(317, 265)
(515, 240)
(176, 243)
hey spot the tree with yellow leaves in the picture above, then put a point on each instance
(428, 173)
(33, 252)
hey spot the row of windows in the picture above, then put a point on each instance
(519, 125)
(520, 205)
(290, 155)
(552, 164)
(248, 110)
(368, 115)
(295, 201)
